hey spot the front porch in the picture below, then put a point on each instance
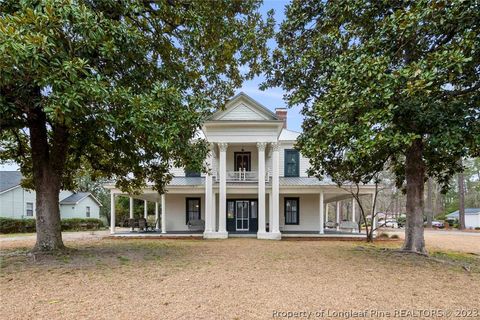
(328, 234)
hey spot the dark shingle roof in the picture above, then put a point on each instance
(9, 179)
(75, 198)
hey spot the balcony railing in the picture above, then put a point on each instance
(243, 176)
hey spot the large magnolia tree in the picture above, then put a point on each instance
(384, 83)
(119, 86)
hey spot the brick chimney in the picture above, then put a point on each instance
(282, 115)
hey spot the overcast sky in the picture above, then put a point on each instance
(271, 98)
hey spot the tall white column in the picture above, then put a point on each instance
(275, 191)
(261, 188)
(222, 219)
(157, 223)
(326, 212)
(164, 214)
(208, 195)
(131, 211)
(214, 212)
(338, 215)
(354, 203)
(321, 204)
(270, 214)
(112, 212)
(145, 209)
(374, 215)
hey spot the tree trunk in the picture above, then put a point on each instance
(47, 164)
(49, 229)
(461, 200)
(414, 174)
(429, 206)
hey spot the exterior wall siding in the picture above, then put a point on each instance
(13, 204)
(309, 219)
(242, 112)
(175, 209)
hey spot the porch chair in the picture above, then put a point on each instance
(196, 225)
(142, 224)
(349, 225)
(132, 223)
(330, 224)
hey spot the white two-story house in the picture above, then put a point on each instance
(258, 184)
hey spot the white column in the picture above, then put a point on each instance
(261, 188)
(208, 195)
(275, 191)
(131, 211)
(354, 203)
(112, 212)
(374, 215)
(222, 219)
(338, 215)
(326, 212)
(270, 214)
(157, 224)
(145, 209)
(164, 214)
(321, 204)
(214, 212)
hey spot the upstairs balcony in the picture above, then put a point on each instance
(243, 176)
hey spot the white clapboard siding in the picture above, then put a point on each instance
(242, 112)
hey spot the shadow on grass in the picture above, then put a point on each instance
(102, 253)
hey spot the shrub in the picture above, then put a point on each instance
(477, 228)
(9, 225)
(382, 236)
(81, 224)
(394, 236)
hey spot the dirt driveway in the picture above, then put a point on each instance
(231, 279)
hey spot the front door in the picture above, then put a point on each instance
(242, 215)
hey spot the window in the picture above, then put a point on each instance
(292, 210)
(88, 211)
(193, 209)
(292, 163)
(29, 209)
(190, 173)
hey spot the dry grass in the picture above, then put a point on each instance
(232, 279)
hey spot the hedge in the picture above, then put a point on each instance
(9, 225)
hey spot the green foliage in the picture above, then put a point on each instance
(9, 225)
(120, 87)
(373, 77)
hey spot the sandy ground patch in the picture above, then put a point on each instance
(231, 279)
(448, 240)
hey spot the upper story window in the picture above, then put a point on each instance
(29, 209)
(292, 163)
(189, 173)
(87, 211)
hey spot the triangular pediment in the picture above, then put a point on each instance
(244, 108)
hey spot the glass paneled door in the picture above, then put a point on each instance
(243, 215)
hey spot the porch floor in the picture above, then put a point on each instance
(328, 233)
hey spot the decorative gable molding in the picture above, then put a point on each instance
(244, 108)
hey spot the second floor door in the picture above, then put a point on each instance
(242, 161)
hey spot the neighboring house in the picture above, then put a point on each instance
(17, 202)
(472, 217)
(258, 182)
